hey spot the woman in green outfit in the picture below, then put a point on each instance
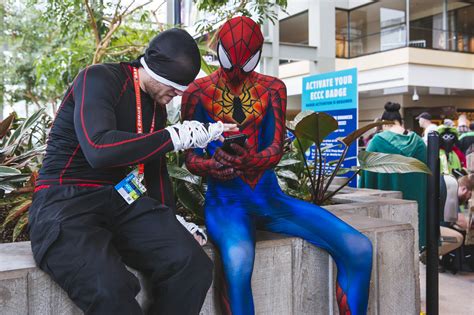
(396, 139)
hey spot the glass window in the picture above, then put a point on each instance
(294, 29)
(426, 24)
(342, 34)
(392, 25)
(428, 29)
(460, 26)
(377, 27)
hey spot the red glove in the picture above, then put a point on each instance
(220, 171)
(238, 161)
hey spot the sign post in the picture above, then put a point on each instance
(335, 93)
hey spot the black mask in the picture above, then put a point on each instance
(447, 141)
(174, 55)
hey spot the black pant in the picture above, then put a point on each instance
(83, 236)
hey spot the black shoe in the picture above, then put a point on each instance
(441, 269)
(423, 257)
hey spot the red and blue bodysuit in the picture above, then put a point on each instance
(243, 192)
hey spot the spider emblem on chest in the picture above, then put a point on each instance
(248, 106)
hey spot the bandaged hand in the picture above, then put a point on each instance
(194, 134)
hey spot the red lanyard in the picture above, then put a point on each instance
(138, 98)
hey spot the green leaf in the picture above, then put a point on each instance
(291, 125)
(15, 178)
(16, 211)
(390, 163)
(305, 144)
(298, 194)
(288, 162)
(6, 187)
(183, 174)
(6, 171)
(323, 149)
(191, 197)
(29, 154)
(24, 127)
(12, 199)
(5, 125)
(20, 226)
(359, 132)
(315, 127)
(283, 184)
(287, 174)
(343, 171)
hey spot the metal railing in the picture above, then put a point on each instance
(394, 37)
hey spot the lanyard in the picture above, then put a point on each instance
(138, 98)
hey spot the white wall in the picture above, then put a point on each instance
(294, 7)
(348, 4)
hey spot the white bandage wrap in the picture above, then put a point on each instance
(160, 78)
(193, 134)
(192, 228)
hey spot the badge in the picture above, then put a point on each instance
(131, 188)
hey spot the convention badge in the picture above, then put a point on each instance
(131, 187)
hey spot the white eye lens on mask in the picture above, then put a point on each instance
(223, 57)
(252, 62)
(448, 137)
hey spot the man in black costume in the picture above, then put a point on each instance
(89, 218)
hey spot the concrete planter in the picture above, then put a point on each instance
(291, 276)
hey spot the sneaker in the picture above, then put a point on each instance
(423, 257)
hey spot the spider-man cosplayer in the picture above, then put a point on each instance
(243, 191)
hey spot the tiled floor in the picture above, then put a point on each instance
(456, 292)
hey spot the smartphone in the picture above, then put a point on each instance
(237, 139)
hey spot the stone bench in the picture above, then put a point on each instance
(381, 204)
(386, 205)
(290, 277)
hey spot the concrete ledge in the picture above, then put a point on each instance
(290, 277)
(382, 204)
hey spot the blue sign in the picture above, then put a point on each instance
(336, 94)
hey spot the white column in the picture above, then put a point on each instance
(170, 12)
(322, 34)
(271, 64)
(445, 25)
(407, 22)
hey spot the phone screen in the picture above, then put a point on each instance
(237, 139)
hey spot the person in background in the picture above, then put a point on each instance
(452, 160)
(466, 141)
(448, 122)
(361, 142)
(396, 140)
(424, 119)
(455, 194)
(376, 131)
(463, 124)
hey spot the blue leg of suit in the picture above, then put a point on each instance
(234, 209)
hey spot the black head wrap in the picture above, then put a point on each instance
(172, 55)
(392, 112)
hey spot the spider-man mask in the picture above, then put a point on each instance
(239, 48)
